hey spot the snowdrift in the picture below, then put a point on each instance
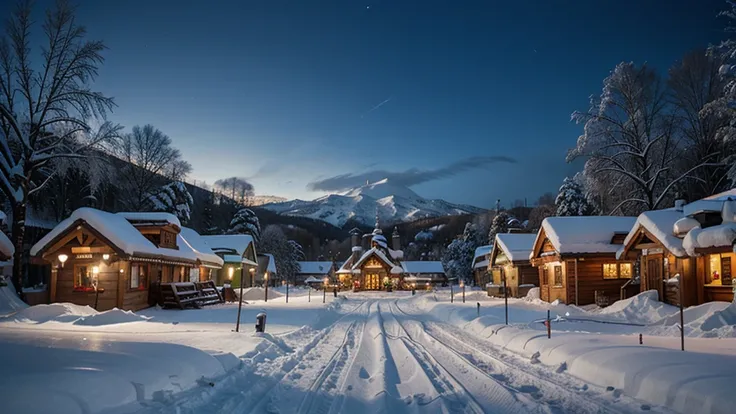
(257, 293)
(76, 314)
(644, 308)
(709, 320)
(9, 301)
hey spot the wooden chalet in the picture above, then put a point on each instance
(312, 271)
(509, 260)
(112, 260)
(481, 274)
(267, 265)
(576, 259)
(238, 252)
(657, 245)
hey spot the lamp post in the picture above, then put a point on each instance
(265, 279)
(287, 288)
(240, 297)
(462, 285)
(505, 297)
(95, 283)
(62, 259)
(452, 294)
(252, 272)
(324, 290)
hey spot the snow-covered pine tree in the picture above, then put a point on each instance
(208, 219)
(245, 221)
(500, 224)
(458, 257)
(173, 198)
(571, 201)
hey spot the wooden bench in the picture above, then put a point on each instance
(208, 292)
(180, 295)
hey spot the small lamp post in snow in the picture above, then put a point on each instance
(324, 290)
(452, 294)
(265, 280)
(462, 285)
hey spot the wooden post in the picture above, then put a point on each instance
(52, 284)
(505, 297)
(682, 316)
(240, 302)
(549, 326)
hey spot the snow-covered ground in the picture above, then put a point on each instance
(369, 352)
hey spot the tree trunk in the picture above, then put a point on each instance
(18, 233)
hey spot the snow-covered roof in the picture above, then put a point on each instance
(312, 279)
(370, 252)
(271, 268)
(396, 254)
(661, 224)
(153, 216)
(380, 240)
(585, 234)
(192, 239)
(482, 251)
(722, 235)
(235, 242)
(314, 268)
(118, 231)
(397, 270)
(483, 264)
(516, 246)
(234, 258)
(422, 267)
(6, 246)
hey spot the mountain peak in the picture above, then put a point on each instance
(381, 189)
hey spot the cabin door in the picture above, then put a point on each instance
(654, 274)
(372, 281)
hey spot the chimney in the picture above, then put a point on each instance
(680, 202)
(396, 239)
(354, 237)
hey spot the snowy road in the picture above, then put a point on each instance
(381, 355)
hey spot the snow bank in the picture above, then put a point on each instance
(76, 314)
(110, 317)
(9, 301)
(258, 293)
(533, 294)
(643, 308)
(709, 320)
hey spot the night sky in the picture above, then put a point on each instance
(287, 93)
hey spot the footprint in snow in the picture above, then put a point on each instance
(363, 373)
(609, 388)
(645, 407)
(617, 393)
(350, 387)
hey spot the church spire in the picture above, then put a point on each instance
(377, 229)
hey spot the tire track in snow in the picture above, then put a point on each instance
(473, 390)
(562, 395)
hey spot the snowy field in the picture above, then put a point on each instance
(368, 353)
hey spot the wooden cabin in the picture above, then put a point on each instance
(238, 252)
(314, 270)
(655, 242)
(509, 261)
(112, 260)
(481, 274)
(576, 259)
(267, 265)
(208, 263)
(710, 239)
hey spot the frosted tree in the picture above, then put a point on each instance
(500, 224)
(695, 83)
(245, 221)
(48, 110)
(237, 188)
(173, 198)
(538, 214)
(571, 201)
(208, 219)
(150, 158)
(458, 257)
(291, 266)
(629, 141)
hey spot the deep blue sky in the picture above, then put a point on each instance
(282, 91)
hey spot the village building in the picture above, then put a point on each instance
(208, 263)
(109, 260)
(311, 272)
(576, 259)
(6, 255)
(238, 252)
(266, 271)
(480, 265)
(373, 265)
(509, 263)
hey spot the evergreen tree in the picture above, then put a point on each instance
(458, 257)
(173, 198)
(245, 221)
(571, 201)
(500, 224)
(208, 220)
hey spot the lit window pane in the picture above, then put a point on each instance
(625, 269)
(610, 271)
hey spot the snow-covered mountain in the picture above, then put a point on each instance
(394, 203)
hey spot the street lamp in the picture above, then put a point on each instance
(324, 291)
(252, 271)
(462, 285)
(452, 294)
(62, 259)
(265, 278)
(240, 299)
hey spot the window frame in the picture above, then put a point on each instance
(618, 270)
(555, 274)
(147, 270)
(78, 286)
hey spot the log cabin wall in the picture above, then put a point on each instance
(72, 279)
(552, 283)
(590, 279)
(528, 275)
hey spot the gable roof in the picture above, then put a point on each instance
(583, 234)
(659, 224)
(117, 230)
(482, 251)
(232, 246)
(371, 252)
(314, 268)
(517, 247)
(153, 217)
(190, 238)
(420, 267)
